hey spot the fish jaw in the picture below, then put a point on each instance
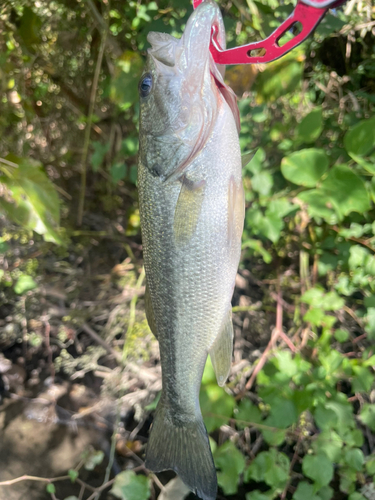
(177, 116)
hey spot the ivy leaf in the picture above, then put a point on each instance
(232, 463)
(247, 413)
(130, 486)
(271, 467)
(319, 468)
(305, 167)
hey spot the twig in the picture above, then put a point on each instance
(86, 143)
(33, 478)
(113, 448)
(101, 488)
(100, 341)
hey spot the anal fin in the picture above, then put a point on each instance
(221, 351)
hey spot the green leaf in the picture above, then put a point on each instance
(318, 205)
(345, 190)
(97, 158)
(313, 296)
(124, 83)
(94, 458)
(305, 491)
(341, 335)
(232, 463)
(51, 488)
(258, 248)
(283, 414)
(73, 474)
(355, 459)
(35, 202)
(356, 496)
(262, 182)
(271, 467)
(118, 172)
(360, 140)
(258, 495)
(247, 413)
(370, 465)
(305, 167)
(329, 443)
(370, 323)
(29, 28)
(314, 316)
(318, 468)
(274, 437)
(216, 405)
(130, 486)
(333, 302)
(362, 380)
(310, 127)
(24, 284)
(367, 416)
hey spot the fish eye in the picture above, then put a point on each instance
(145, 85)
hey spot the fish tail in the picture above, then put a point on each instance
(184, 447)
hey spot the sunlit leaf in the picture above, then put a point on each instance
(34, 202)
(24, 284)
(305, 167)
(130, 486)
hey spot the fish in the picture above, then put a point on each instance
(191, 203)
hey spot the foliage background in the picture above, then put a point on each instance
(297, 418)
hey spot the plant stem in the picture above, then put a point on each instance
(86, 143)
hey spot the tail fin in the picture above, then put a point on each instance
(184, 448)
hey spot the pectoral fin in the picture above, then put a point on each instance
(187, 211)
(150, 312)
(236, 211)
(221, 351)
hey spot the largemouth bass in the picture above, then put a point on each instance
(192, 210)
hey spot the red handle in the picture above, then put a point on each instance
(308, 13)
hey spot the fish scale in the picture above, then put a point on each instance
(191, 208)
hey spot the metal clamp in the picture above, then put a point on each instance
(308, 13)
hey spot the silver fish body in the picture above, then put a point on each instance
(192, 210)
